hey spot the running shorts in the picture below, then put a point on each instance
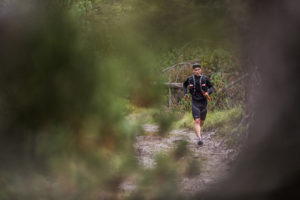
(199, 109)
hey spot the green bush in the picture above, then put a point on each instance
(219, 65)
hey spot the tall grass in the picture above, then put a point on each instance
(220, 121)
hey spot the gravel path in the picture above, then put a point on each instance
(214, 157)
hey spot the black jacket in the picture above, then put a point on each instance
(194, 86)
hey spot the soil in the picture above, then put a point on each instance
(215, 158)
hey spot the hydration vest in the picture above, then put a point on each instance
(202, 86)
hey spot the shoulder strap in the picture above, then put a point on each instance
(194, 83)
(201, 83)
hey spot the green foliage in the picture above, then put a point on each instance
(186, 121)
(62, 97)
(220, 65)
(160, 182)
(71, 71)
(223, 122)
(163, 117)
(217, 120)
(185, 104)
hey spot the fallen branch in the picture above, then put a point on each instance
(234, 82)
(174, 85)
(175, 65)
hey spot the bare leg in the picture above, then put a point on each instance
(198, 128)
(198, 124)
(201, 123)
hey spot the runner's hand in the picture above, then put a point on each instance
(207, 95)
(186, 97)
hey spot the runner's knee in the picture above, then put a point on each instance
(197, 121)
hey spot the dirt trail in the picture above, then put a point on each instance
(215, 164)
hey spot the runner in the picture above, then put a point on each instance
(200, 88)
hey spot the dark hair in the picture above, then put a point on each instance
(195, 65)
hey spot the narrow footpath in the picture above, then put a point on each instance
(215, 158)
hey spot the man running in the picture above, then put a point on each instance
(199, 87)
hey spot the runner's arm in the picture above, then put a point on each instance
(185, 84)
(210, 86)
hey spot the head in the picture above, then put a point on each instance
(197, 69)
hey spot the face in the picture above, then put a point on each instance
(197, 71)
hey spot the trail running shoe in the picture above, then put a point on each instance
(200, 142)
